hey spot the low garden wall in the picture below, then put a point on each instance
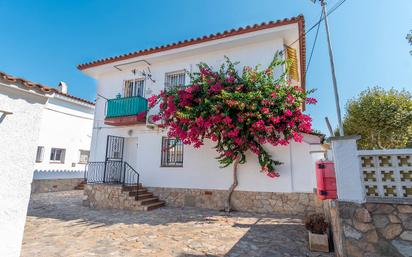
(371, 229)
(54, 185)
(110, 196)
(285, 203)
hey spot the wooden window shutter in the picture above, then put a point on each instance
(292, 58)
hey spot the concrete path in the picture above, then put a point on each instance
(57, 225)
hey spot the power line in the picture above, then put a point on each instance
(333, 9)
(314, 43)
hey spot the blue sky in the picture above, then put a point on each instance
(43, 41)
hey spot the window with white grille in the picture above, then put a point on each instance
(57, 155)
(40, 154)
(134, 87)
(175, 79)
(84, 156)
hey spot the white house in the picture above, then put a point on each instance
(184, 176)
(64, 142)
(29, 113)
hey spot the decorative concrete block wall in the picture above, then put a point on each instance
(373, 213)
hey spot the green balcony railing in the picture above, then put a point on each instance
(127, 106)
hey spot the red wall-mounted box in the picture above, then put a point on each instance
(326, 180)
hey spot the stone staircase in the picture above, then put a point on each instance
(145, 199)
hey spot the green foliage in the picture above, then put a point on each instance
(382, 118)
(409, 38)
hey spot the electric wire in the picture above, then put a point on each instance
(314, 43)
(333, 9)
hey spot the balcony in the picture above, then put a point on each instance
(126, 111)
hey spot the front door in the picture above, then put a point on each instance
(114, 159)
(130, 153)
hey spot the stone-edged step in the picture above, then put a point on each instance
(148, 201)
(144, 198)
(132, 188)
(155, 205)
(141, 196)
(138, 192)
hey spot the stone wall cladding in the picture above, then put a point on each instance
(375, 229)
(285, 203)
(112, 197)
(101, 196)
(54, 185)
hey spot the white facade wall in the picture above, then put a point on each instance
(67, 125)
(201, 169)
(19, 133)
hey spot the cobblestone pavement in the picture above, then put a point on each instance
(57, 225)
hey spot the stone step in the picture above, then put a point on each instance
(132, 188)
(141, 196)
(138, 192)
(148, 201)
(80, 186)
(155, 205)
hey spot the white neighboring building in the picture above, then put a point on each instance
(32, 114)
(126, 81)
(65, 136)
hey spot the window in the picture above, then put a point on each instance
(172, 152)
(57, 155)
(84, 156)
(40, 154)
(174, 79)
(134, 87)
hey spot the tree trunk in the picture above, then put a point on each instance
(228, 206)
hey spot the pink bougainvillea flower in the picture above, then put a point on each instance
(152, 100)
(265, 110)
(311, 100)
(227, 120)
(216, 88)
(240, 112)
(272, 174)
(288, 113)
(141, 115)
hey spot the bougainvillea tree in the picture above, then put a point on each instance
(239, 111)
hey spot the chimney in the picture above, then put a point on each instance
(62, 87)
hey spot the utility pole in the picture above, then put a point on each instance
(332, 66)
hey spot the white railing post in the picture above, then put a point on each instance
(347, 168)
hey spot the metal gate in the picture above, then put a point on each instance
(114, 148)
(114, 159)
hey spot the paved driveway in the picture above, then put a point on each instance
(57, 225)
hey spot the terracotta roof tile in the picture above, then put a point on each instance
(39, 87)
(233, 32)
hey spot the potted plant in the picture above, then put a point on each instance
(318, 237)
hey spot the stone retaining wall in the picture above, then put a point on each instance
(103, 196)
(372, 229)
(111, 196)
(54, 185)
(285, 203)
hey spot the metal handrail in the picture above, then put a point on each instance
(111, 172)
(131, 177)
